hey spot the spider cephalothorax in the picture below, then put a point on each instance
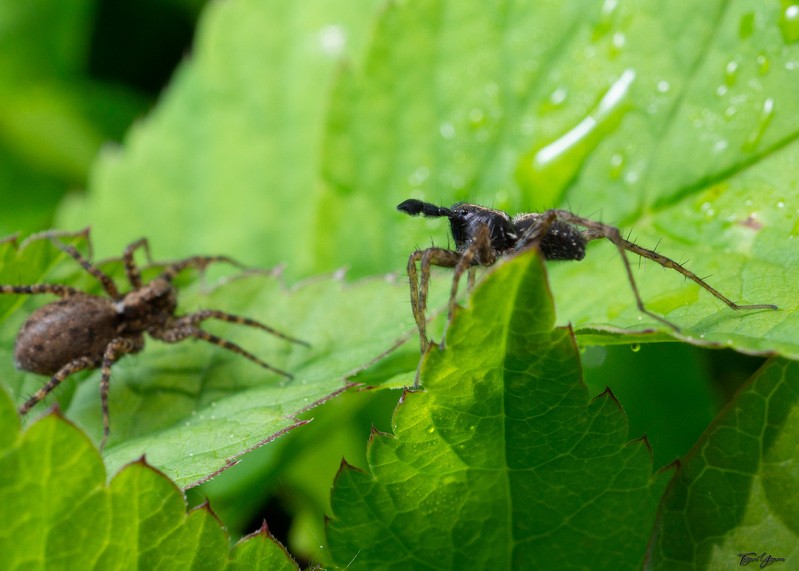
(85, 331)
(483, 235)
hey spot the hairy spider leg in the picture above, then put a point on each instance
(116, 349)
(431, 256)
(131, 269)
(669, 263)
(186, 326)
(78, 364)
(199, 316)
(105, 280)
(471, 278)
(596, 230)
(479, 247)
(200, 262)
(54, 289)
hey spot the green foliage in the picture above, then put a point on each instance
(242, 121)
(463, 100)
(60, 512)
(503, 457)
(290, 134)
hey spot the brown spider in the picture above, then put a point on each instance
(483, 235)
(85, 331)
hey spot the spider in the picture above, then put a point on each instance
(483, 235)
(84, 331)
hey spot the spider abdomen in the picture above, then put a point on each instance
(562, 241)
(65, 330)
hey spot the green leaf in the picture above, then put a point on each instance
(503, 456)
(662, 121)
(53, 475)
(654, 380)
(193, 408)
(260, 551)
(736, 490)
(679, 125)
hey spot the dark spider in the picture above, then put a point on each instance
(483, 235)
(84, 331)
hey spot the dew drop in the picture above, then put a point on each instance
(558, 96)
(419, 176)
(606, 17)
(548, 168)
(731, 72)
(332, 40)
(447, 130)
(616, 165)
(763, 121)
(476, 116)
(632, 177)
(635, 347)
(619, 40)
(789, 23)
(763, 64)
(663, 86)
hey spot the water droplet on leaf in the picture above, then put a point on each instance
(763, 121)
(789, 23)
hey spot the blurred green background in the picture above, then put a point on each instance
(77, 78)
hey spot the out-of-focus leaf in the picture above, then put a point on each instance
(52, 118)
(60, 512)
(230, 156)
(735, 493)
(42, 38)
